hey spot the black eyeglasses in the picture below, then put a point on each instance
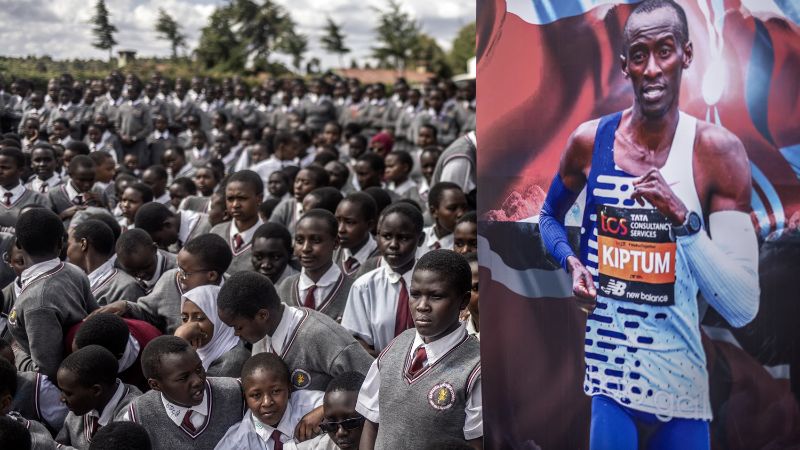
(347, 424)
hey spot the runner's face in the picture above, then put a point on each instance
(655, 60)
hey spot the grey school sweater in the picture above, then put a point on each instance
(162, 306)
(76, 430)
(318, 350)
(433, 402)
(195, 203)
(40, 437)
(332, 306)
(117, 286)
(284, 214)
(60, 201)
(44, 311)
(241, 259)
(225, 408)
(338, 256)
(9, 214)
(230, 364)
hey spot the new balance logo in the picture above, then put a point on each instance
(615, 288)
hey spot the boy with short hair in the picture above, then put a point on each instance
(133, 197)
(156, 177)
(465, 235)
(289, 211)
(244, 192)
(272, 252)
(432, 370)
(314, 346)
(377, 309)
(321, 285)
(13, 194)
(341, 424)
(121, 436)
(446, 204)
(140, 257)
(43, 163)
(274, 411)
(37, 437)
(91, 247)
(79, 192)
(184, 409)
(398, 168)
(174, 159)
(356, 215)
(326, 197)
(92, 392)
(369, 170)
(169, 228)
(53, 295)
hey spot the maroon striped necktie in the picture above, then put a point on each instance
(403, 319)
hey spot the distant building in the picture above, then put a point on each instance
(125, 57)
(385, 76)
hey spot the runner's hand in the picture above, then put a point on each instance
(653, 188)
(582, 283)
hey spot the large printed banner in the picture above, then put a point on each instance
(544, 67)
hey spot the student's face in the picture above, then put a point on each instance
(43, 163)
(60, 130)
(304, 183)
(257, 153)
(452, 206)
(397, 240)
(222, 147)
(241, 201)
(331, 135)
(338, 407)
(277, 186)
(181, 378)
(337, 173)
(9, 172)
(353, 227)
(192, 272)
(105, 171)
(198, 141)
(156, 183)
(267, 395)
(173, 161)
(205, 181)
(160, 124)
(366, 176)
(217, 212)
(434, 304)
(15, 260)
(269, 257)
(141, 263)
(314, 244)
(474, 292)
(395, 170)
(427, 163)
(355, 148)
(425, 137)
(251, 329)
(176, 194)
(83, 178)
(75, 250)
(130, 202)
(190, 313)
(465, 238)
(131, 162)
(31, 127)
(78, 398)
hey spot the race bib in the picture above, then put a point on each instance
(636, 257)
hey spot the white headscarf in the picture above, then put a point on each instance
(205, 297)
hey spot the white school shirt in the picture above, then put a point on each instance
(130, 355)
(325, 285)
(53, 181)
(100, 274)
(200, 153)
(164, 199)
(176, 412)
(403, 187)
(189, 220)
(107, 416)
(72, 192)
(16, 193)
(247, 235)
(300, 403)
(372, 306)
(445, 242)
(35, 271)
(362, 255)
(368, 398)
(290, 319)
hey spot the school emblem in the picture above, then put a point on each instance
(12, 317)
(442, 396)
(300, 379)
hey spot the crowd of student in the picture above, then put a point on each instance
(211, 266)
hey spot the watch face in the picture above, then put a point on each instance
(694, 222)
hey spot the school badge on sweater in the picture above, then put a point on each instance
(442, 396)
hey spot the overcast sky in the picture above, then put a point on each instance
(60, 28)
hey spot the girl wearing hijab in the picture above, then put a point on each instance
(221, 352)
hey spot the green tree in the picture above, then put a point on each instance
(333, 40)
(262, 27)
(220, 47)
(169, 30)
(427, 53)
(463, 48)
(295, 45)
(103, 29)
(398, 34)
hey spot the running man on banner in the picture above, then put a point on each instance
(666, 217)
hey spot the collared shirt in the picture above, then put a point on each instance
(272, 164)
(325, 285)
(73, 192)
(130, 355)
(100, 274)
(107, 415)
(298, 211)
(188, 221)
(200, 153)
(247, 235)
(136, 102)
(403, 187)
(371, 307)
(105, 137)
(229, 158)
(164, 198)
(300, 403)
(362, 255)
(157, 274)
(16, 193)
(445, 242)
(37, 183)
(290, 319)
(368, 398)
(35, 271)
(177, 412)
(161, 134)
(116, 102)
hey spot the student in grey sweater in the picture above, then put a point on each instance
(93, 393)
(80, 191)
(14, 196)
(38, 437)
(90, 247)
(139, 257)
(244, 192)
(53, 295)
(272, 252)
(185, 409)
(134, 124)
(203, 260)
(314, 346)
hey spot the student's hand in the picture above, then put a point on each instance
(69, 212)
(582, 283)
(191, 332)
(119, 307)
(308, 428)
(90, 196)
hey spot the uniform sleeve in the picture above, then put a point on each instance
(457, 170)
(53, 411)
(63, 436)
(473, 424)
(46, 347)
(356, 317)
(352, 358)
(367, 404)
(141, 310)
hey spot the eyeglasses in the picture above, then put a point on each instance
(347, 424)
(184, 274)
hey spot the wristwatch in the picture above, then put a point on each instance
(691, 225)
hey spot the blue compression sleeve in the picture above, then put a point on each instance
(551, 220)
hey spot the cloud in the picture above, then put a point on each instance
(61, 28)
